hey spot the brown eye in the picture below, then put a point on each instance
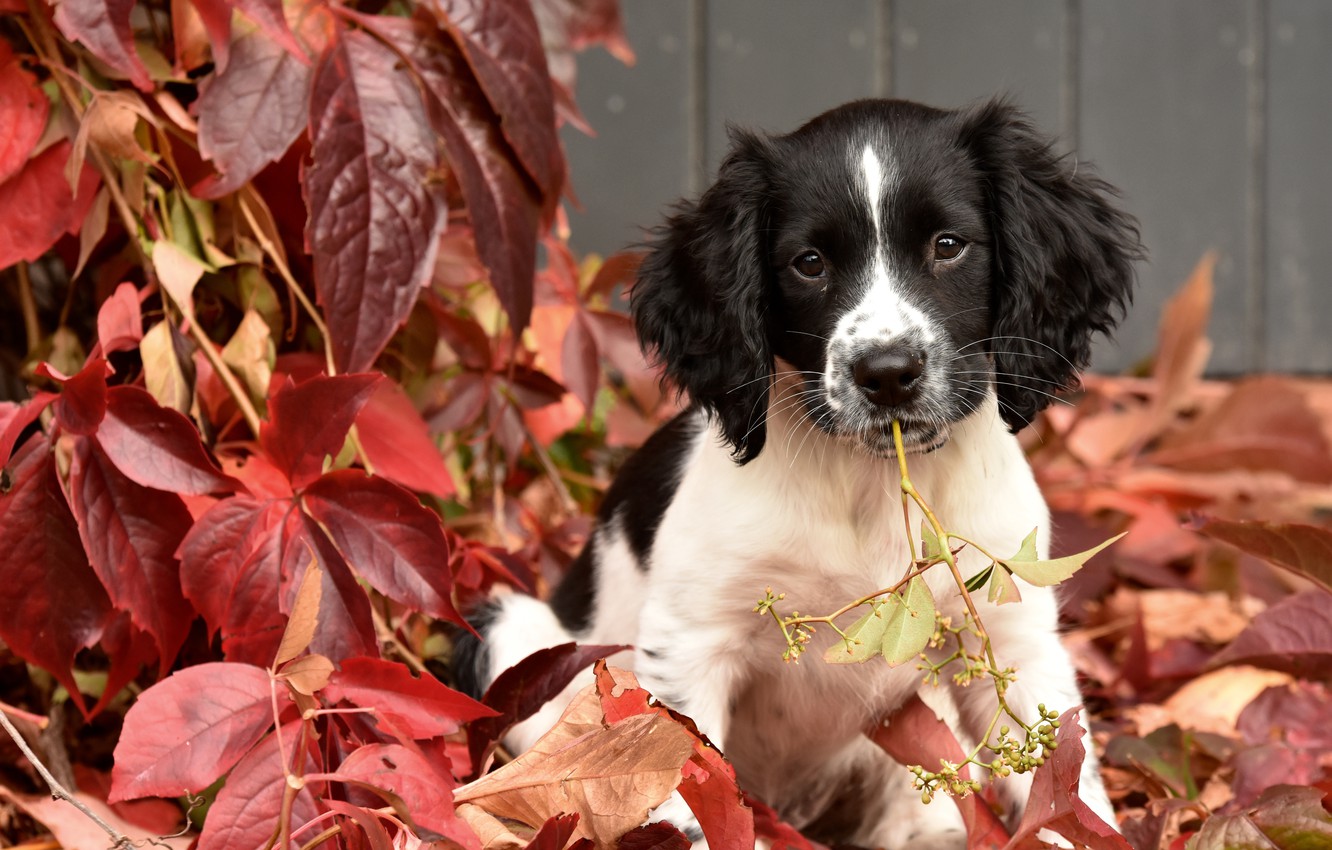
(948, 247)
(808, 264)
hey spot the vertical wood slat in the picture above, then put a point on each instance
(639, 159)
(1164, 89)
(1298, 197)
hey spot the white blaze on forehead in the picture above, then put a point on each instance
(871, 174)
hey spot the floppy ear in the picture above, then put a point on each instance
(1063, 259)
(700, 301)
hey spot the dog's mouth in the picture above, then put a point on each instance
(917, 438)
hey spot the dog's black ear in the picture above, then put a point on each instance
(700, 300)
(1063, 258)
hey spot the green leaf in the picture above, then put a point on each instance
(977, 581)
(910, 623)
(1027, 551)
(1052, 572)
(869, 631)
(1003, 589)
(930, 547)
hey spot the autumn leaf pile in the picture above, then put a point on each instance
(300, 363)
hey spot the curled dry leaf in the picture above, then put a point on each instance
(304, 616)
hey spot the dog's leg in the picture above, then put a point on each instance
(1024, 636)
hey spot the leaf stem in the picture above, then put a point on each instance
(32, 327)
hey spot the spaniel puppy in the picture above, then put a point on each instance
(885, 261)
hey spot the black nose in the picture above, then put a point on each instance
(890, 377)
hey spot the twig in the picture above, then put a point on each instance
(58, 791)
(28, 305)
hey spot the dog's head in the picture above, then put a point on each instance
(904, 261)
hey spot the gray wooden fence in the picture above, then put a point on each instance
(1213, 116)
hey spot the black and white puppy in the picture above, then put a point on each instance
(885, 261)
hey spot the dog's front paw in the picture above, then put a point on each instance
(676, 812)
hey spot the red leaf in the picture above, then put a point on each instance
(187, 730)
(391, 541)
(156, 446)
(409, 707)
(25, 108)
(502, 205)
(346, 627)
(1294, 635)
(1295, 714)
(578, 361)
(82, 402)
(14, 420)
(37, 206)
(119, 321)
(270, 18)
(220, 545)
(104, 28)
(130, 534)
(1304, 549)
(520, 691)
(376, 205)
(554, 833)
(310, 421)
(654, 836)
(398, 444)
(428, 792)
(1054, 802)
(503, 47)
(61, 608)
(128, 649)
(245, 814)
(251, 111)
(914, 734)
(779, 835)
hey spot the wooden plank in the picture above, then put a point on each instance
(1163, 116)
(950, 53)
(638, 162)
(1299, 186)
(773, 64)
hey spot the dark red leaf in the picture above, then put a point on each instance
(131, 533)
(578, 361)
(103, 26)
(221, 544)
(554, 833)
(82, 401)
(61, 607)
(389, 539)
(520, 691)
(14, 420)
(128, 649)
(654, 836)
(187, 730)
(245, 814)
(157, 446)
(1294, 635)
(216, 18)
(503, 205)
(571, 25)
(503, 47)
(398, 444)
(310, 421)
(914, 734)
(119, 321)
(376, 203)
(37, 206)
(405, 705)
(1295, 714)
(427, 791)
(346, 627)
(1054, 803)
(25, 108)
(1304, 549)
(251, 112)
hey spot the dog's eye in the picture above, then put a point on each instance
(808, 264)
(948, 247)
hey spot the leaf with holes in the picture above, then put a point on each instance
(188, 729)
(62, 607)
(376, 203)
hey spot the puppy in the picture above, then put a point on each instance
(885, 261)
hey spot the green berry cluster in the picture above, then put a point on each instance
(1010, 756)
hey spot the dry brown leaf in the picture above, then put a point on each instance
(1213, 701)
(307, 674)
(491, 830)
(75, 831)
(161, 369)
(1169, 614)
(251, 355)
(612, 777)
(304, 615)
(1182, 347)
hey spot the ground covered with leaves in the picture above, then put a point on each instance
(298, 364)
